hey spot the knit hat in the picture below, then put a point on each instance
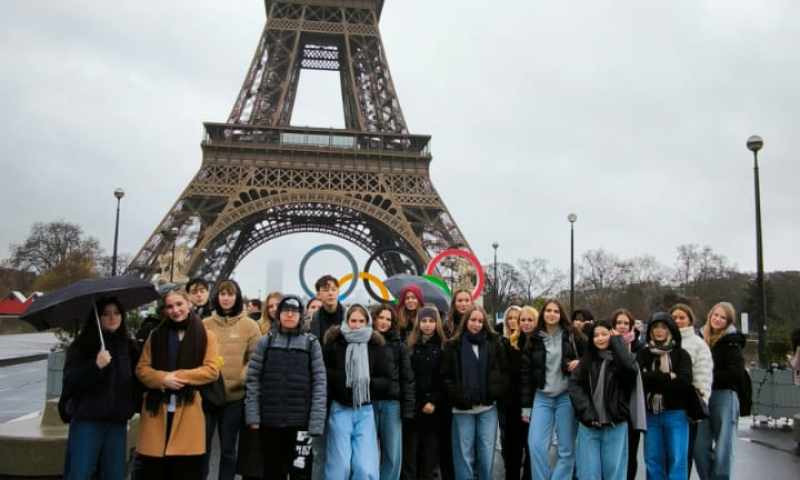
(427, 312)
(290, 303)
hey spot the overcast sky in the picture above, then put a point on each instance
(633, 114)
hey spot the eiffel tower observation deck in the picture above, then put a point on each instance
(262, 178)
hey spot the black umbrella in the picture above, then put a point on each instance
(432, 293)
(66, 306)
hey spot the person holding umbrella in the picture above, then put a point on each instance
(99, 384)
(179, 357)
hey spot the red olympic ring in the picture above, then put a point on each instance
(471, 258)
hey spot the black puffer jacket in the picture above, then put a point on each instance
(322, 321)
(426, 360)
(619, 382)
(728, 362)
(497, 371)
(381, 373)
(511, 402)
(676, 391)
(400, 361)
(533, 363)
(109, 394)
(729, 371)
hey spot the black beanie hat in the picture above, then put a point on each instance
(290, 301)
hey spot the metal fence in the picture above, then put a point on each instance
(774, 393)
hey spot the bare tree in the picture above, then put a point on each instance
(506, 289)
(52, 244)
(538, 279)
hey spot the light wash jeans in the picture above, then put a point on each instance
(352, 443)
(602, 453)
(474, 437)
(666, 445)
(390, 437)
(549, 412)
(716, 435)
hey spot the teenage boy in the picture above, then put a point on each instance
(331, 313)
(198, 289)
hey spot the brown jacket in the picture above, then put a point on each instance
(188, 435)
(236, 339)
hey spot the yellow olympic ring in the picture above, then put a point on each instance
(369, 277)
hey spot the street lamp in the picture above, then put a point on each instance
(494, 300)
(754, 144)
(572, 219)
(171, 234)
(118, 193)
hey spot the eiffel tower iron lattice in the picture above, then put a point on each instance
(261, 178)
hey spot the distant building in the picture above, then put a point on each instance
(274, 275)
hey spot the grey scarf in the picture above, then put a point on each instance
(598, 395)
(357, 362)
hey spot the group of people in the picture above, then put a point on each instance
(402, 391)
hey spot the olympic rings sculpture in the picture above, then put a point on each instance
(470, 257)
(368, 277)
(439, 283)
(375, 256)
(335, 248)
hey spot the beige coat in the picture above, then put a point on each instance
(188, 435)
(236, 339)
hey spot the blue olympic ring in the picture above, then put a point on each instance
(335, 248)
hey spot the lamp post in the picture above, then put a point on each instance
(494, 300)
(171, 234)
(754, 144)
(118, 193)
(572, 219)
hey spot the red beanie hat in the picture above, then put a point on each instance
(413, 289)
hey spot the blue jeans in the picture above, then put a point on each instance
(666, 444)
(229, 420)
(352, 443)
(390, 437)
(96, 447)
(474, 437)
(549, 412)
(602, 453)
(716, 435)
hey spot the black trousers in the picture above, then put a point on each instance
(277, 451)
(446, 443)
(420, 447)
(514, 441)
(633, 451)
(181, 467)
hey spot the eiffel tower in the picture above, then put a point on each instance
(262, 178)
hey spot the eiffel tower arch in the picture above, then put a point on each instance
(261, 178)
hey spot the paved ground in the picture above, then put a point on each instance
(22, 389)
(24, 346)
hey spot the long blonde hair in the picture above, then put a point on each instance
(512, 337)
(711, 337)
